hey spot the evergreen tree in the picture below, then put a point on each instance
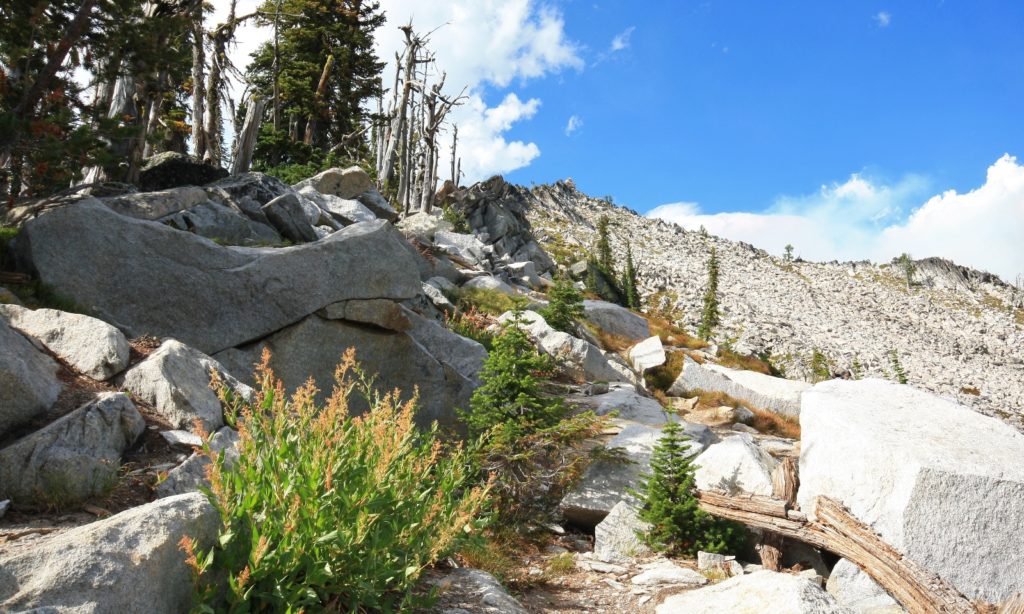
(907, 266)
(678, 525)
(315, 39)
(788, 255)
(604, 247)
(898, 373)
(629, 281)
(510, 394)
(565, 306)
(710, 315)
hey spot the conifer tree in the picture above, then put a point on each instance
(898, 373)
(710, 315)
(629, 281)
(604, 247)
(670, 505)
(565, 306)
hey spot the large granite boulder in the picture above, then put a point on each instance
(344, 210)
(606, 482)
(90, 346)
(247, 192)
(372, 200)
(858, 592)
(615, 320)
(424, 226)
(73, 458)
(942, 484)
(129, 562)
(736, 465)
(577, 358)
(288, 216)
(761, 591)
(146, 278)
(28, 379)
(157, 204)
(647, 354)
(464, 246)
(175, 380)
(461, 353)
(171, 169)
(774, 394)
(343, 182)
(314, 347)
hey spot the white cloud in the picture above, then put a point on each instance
(575, 123)
(482, 144)
(621, 40)
(883, 19)
(864, 219)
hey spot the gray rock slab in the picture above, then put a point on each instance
(73, 458)
(761, 591)
(129, 562)
(146, 278)
(28, 379)
(90, 346)
(616, 320)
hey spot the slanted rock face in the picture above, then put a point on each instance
(289, 218)
(90, 346)
(28, 379)
(146, 278)
(486, 282)
(124, 563)
(473, 590)
(616, 320)
(314, 347)
(220, 222)
(155, 205)
(632, 407)
(248, 192)
(736, 464)
(171, 169)
(465, 246)
(925, 473)
(615, 537)
(74, 458)
(774, 394)
(761, 591)
(175, 379)
(346, 211)
(647, 354)
(856, 590)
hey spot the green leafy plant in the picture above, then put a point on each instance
(327, 511)
(456, 218)
(711, 316)
(678, 525)
(565, 306)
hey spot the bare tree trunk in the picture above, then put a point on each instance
(455, 168)
(321, 89)
(398, 132)
(247, 137)
(198, 84)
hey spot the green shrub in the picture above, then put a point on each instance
(678, 525)
(456, 218)
(531, 445)
(821, 368)
(474, 325)
(898, 373)
(487, 300)
(565, 306)
(326, 511)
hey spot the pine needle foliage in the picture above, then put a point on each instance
(670, 505)
(710, 315)
(324, 511)
(565, 306)
(629, 281)
(604, 247)
(898, 373)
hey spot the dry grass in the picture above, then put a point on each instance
(728, 358)
(672, 335)
(774, 424)
(661, 378)
(610, 341)
(971, 390)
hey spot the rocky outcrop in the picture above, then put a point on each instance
(629, 405)
(382, 313)
(90, 346)
(345, 183)
(615, 320)
(175, 380)
(647, 354)
(224, 224)
(856, 591)
(289, 218)
(171, 169)
(735, 465)
(146, 278)
(315, 346)
(73, 458)
(158, 204)
(761, 591)
(924, 472)
(616, 538)
(28, 379)
(774, 394)
(579, 359)
(124, 563)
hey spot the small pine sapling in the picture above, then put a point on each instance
(710, 315)
(565, 306)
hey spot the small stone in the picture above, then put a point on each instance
(600, 567)
(182, 438)
(666, 572)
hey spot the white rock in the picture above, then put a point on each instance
(175, 379)
(616, 538)
(631, 406)
(774, 394)
(736, 464)
(88, 345)
(924, 473)
(125, 563)
(487, 282)
(465, 246)
(647, 354)
(664, 572)
(28, 379)
(424, 225)
(191, 474)
(479, 591)
(858, 592)
(182, 438)
(756, 593)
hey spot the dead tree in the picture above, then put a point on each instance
(246, 142)
(436, 107)
(198, 83)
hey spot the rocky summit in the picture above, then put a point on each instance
(108, 421)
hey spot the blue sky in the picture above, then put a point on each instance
(853, 130)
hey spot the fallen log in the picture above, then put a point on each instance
(916, 589)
